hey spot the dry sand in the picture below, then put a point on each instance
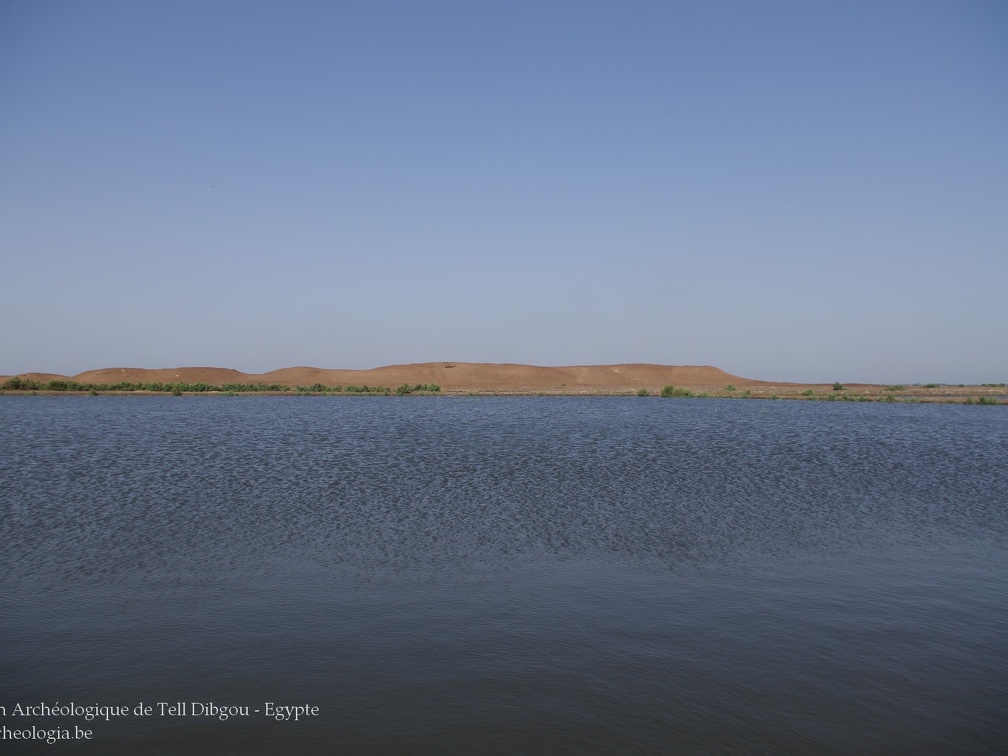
(451, 376)
(493, 378)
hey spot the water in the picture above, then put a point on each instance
(506, 575)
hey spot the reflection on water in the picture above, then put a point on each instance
(511, 575)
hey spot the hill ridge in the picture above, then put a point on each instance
(448, 374)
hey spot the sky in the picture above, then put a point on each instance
(802, 191)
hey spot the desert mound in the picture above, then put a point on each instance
(494, 378)
(210, 375)
(480, 376)
(450, 376)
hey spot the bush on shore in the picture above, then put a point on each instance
(427, 388)
(17, 383)
(676, 392)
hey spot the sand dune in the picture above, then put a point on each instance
(164, 375)
(451, 376)
(493, 378)
(506, 377)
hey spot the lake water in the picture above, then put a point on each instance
(504, 575)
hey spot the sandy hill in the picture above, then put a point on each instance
(458, 376)
(492, 376)
(164, 375)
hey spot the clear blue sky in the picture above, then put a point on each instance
(808, 191)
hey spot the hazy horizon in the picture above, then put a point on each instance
(786, 191)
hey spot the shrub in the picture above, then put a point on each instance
(730, 387)
(675, 392)
(429, 388)
(365, 389)
(642, 392)
(838, 386)
(17, 383)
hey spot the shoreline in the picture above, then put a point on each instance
(486, 379)
(982, 394)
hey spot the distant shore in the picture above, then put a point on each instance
(480, 379)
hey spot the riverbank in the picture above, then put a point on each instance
(480, 379)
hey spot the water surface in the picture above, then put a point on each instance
(535, 575)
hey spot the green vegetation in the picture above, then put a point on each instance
(985, 400)
(425, 388)
(17, 383)
(675, 392)
(855, 398)
(889, 394)
(365, 389)
(317, 389)
(248, 388)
